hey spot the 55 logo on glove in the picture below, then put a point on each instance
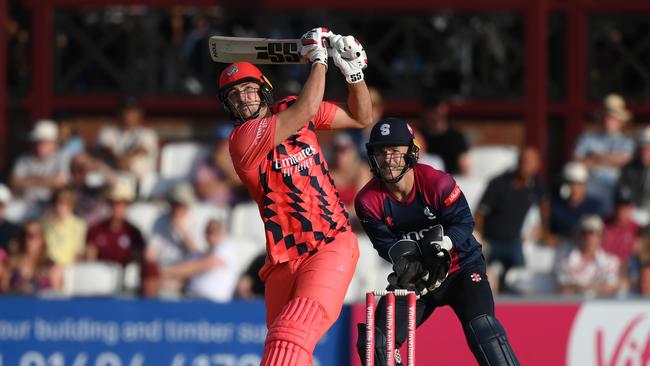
(356, 77)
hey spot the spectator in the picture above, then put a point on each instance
(35, 176)
(639, 267)
(89, 179)
(636, 177)
(503, 208)
(573, 202)
(606, 151)
(70, 141)
(621, 232)
(212, 275)
(8, 230)
(30, 269)
(172, 239)
(349, 172)
(644, 280)
(115, 239)
(442, 139)
(588, 269)
(4, 270)
(215, 179)
(64, 232)
(132, 148)
(427, 157)
(250, 285)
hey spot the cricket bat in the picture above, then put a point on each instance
(255, 50)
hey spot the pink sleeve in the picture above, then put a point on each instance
(325, 116)
(250, 142)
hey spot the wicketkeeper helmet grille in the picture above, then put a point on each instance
(392, 132)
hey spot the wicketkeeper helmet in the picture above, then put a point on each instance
(392, 132)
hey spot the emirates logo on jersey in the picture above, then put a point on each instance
(294, 163)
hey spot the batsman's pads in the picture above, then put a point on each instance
(435, 250)
(349, 56)
(489, 343)
(380, 346)
(293, 335)
(409, 271)
(314, 45)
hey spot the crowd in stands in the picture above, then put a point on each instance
(178, 223)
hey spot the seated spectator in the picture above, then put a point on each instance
(30, 270)
(35, 176)
(635, 176)
(588, 269)
(426, 157)
(572, 203)
(639, 267)
(89, 183)
(441, 138)
(621, 232)
(644, 280)
(4, 269)
(8, 230)
(349, 172)
(70, 141)
(132, 147)
(212, 275)
(250, 286)
(215, 179)
(65, 233)
(503, 207)
(172, 239)
(606, 151)
(115, 239)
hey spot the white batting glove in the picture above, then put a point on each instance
(349, 56)
(314, 45)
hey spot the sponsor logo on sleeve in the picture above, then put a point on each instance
(453, 196)
(261, 128)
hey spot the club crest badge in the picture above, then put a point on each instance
(232, 70)
(430, 215)
(476, 277)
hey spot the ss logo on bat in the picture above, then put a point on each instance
(279, 52)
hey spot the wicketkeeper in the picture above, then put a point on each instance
(418, 219)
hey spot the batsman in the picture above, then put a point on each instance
(311, 250)
(418, 219)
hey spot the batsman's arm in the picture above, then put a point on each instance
(358, 112)
(305, 107)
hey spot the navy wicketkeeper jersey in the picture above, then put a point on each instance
(436, 199)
